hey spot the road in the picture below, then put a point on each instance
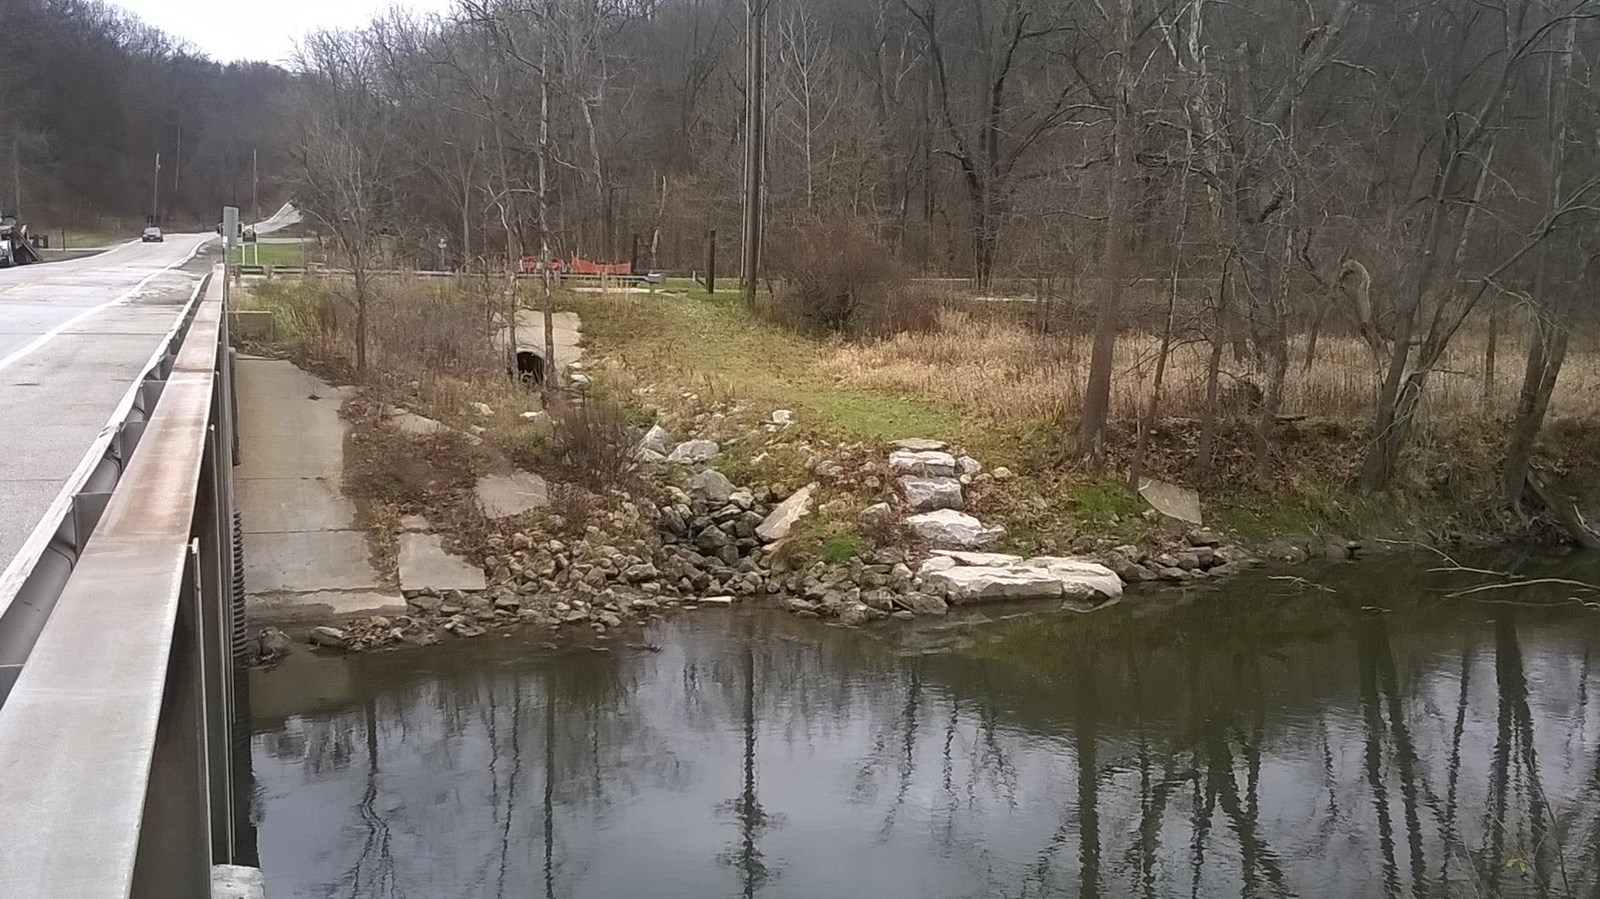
(74, 336)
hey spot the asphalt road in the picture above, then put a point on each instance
(73, 337)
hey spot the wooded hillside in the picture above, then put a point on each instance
(89, 95)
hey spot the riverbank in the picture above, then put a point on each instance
(709, 458)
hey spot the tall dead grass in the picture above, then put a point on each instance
(1002, 369)
(432, 344)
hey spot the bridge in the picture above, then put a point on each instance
(121, 622)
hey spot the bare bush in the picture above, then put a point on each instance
(593, 443)
(838, 280)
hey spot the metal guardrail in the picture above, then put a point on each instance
(115, 751)
(30, 586)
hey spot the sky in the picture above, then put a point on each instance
(232, 30)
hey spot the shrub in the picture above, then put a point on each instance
(593, 442)
(837, 279)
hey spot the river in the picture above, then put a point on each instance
(1357, 733)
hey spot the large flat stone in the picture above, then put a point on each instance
(931, 494)
(692, 451)
(506, 495)
(920, 444)
(965, 584)
(1171, 500)
(949, 529)
(407, 422)
(1080, 578)
(424, 565)
(927, 463)
(975, 576)
(787, 514)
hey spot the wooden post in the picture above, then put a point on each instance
(754, 144)
(711, 263)
(633, 256)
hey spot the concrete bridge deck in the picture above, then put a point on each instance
(74, 336)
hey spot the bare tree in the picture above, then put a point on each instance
(992, 114)
(345, 162)
(1114, 274)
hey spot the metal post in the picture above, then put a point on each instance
(230, 239)
(155, 194)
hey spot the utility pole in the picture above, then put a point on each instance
(754, 143)
(255, 182)
(16, 175)
(155, 193)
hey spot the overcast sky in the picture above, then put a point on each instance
(232, 30)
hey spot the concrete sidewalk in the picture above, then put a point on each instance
(305, 557)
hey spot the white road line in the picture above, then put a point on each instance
(44, 339)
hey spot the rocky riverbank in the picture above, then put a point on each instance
(688, 536)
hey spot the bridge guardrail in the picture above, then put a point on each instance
(115, 749)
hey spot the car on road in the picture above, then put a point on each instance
(152, 234)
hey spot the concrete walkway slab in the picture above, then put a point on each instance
(505, 495)
(307, 561)
(424, 565)
(295, 504)
(305, 558)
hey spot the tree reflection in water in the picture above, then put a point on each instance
(1372, 743)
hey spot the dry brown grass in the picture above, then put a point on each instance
(432, 346)
(1005, 371)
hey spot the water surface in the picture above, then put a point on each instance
(1366, 737)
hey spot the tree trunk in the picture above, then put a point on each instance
(552, 372)
(466, 224)
(1551, 328)
(1219, 342)
(360, 274)
(1097, 394)
(1545, 357)
(1153, 408)
(1491, 348)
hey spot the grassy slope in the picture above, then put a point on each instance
(711, 347)
(710, 343)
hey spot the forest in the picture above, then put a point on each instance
(1240, 177)
(89, 96)
(1363, 210)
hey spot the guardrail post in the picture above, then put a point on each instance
(174, 854)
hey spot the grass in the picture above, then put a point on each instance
(286, 254)
(1006, 371)
(692, 287)
(987, 383)
(842, 548)
(711, 347)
